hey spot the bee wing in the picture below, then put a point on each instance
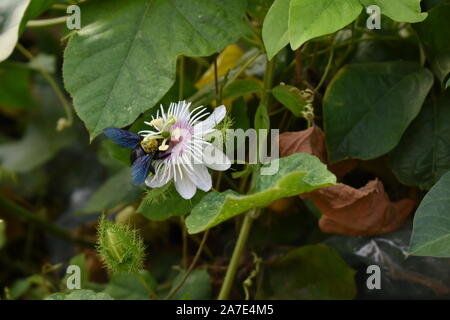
(140, 168)
(123, 138)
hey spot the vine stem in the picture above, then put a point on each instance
(327, 68)
(46, 22)
(52, 83)
(151, 294)
(252, 214)
(236, 257)
(191, 267)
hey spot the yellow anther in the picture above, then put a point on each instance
(163, 146)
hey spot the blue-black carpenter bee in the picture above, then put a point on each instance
(144, 152)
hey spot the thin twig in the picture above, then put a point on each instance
(46, 22)
(191, 267)
(151, 294)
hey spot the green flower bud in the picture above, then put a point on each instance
(121, 247)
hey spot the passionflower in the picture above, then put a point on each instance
(176, 148)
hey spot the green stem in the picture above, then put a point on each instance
(327, 69)
(52, 83)
(250, 216)
(247, 63)
(151, 294)
(25, 215)
(268, 81)
(236, 257)
(46, 22)
(191, 267)
(59, 7)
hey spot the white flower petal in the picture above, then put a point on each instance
(213, 120)
(185, 187)
(190, 153)
(215, 159)
(162, 176)
(201, 177)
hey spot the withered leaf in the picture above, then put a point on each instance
(312, 141)
(356, 212)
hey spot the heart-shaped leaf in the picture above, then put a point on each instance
(308, 273)
(165, 202)
(431, 229)
(275, 27)
(310, 19)
(423, 153)
(123, 60)
(368, 107)
(298, 173)
(433, 33)
(399, 10)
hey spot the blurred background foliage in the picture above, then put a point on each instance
(54, 182)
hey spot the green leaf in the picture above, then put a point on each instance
(239, 114)
(80, 295)
(2, 233)
(399, 10)
(431, 228)
(310, 19)
(111, 151)
(240, 88)
(165, 202)
(21, 287)
(313, 272)
(433, 34)
(129, 287)
(196, 287)
(298, 173)
(118, 189)
(368, 107)
(423, 153)
(275, 27)
(290, 97)
(15, 86)
(11, 14)
(124, 58)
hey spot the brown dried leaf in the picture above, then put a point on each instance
(356, 212)
(311, 141)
